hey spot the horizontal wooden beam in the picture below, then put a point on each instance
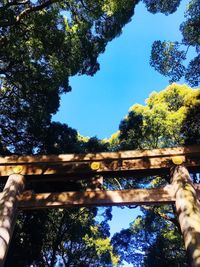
(80, 166)
(130, 154)
(99, 198)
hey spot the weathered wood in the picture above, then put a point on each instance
(28, 200)
(49, 159)
(127, 162)
(8, 210)
(92, 166)
(188, 210)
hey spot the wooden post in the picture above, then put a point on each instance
(8, 211)
(188, 211)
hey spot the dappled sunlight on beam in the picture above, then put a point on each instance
(78, 165)
(28, 200)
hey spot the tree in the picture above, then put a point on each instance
(160, 122)
(190, 126)
(169, 118)
(42, 44)
(92, 145)
(67, 237)
(170, 58)
(163, 6)
(70, 237)
(151, 241)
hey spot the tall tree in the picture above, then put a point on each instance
(170, 57)
(70, 237)
(154, 239)
(66, 237)
(160, 122)
(42, 44)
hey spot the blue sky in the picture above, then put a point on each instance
(97, 104)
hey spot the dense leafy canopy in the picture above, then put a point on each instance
(163, 6)
(169, 118)
(170, 58)
(42, 44)
(162, 122)
(67, 237)
(151, 241)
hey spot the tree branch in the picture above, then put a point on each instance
(168, 218)
(25, 12)
(15, 3)
(29, 10)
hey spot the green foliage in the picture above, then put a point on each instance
(170, 58)
(67, 237)
(42, 44)
(151, 240)
(160, 123)
(163, 6)
(190, 126)
(167, 58)
(169, 118)
(93, 145)
(59, 139)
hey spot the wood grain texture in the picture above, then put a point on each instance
(125, 162)
(164, 195)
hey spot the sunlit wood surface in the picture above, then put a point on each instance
(140, 162)
(165, 195)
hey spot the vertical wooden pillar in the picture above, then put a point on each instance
(8, 211)
(188, 211)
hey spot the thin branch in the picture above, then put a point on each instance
(29, 10)
(120, 187)
(168, 218)
(26, 12)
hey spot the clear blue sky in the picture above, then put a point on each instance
(97, 104)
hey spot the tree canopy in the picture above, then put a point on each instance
(74, 237)
(170, 57)
(70, 237)
(169, 118)
(162, 122)
(42, 44)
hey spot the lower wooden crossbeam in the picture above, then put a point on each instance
(163, 195)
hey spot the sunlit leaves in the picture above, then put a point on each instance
(159, 123)
(191, 126)
(169, 118)
(41, 51)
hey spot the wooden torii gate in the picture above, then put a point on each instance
(177, 162)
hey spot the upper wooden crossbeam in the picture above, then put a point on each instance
(111, 163)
